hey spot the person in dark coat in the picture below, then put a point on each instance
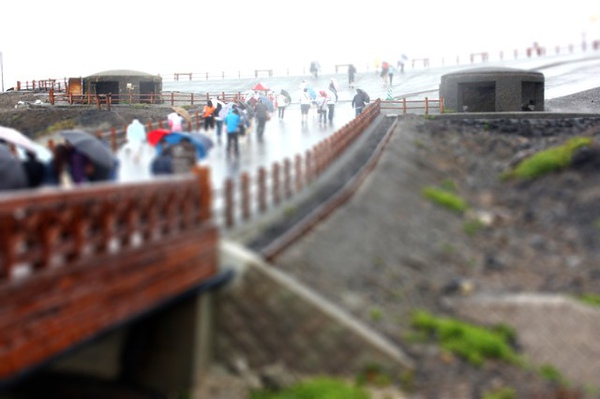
(261, 113)
(351, 73)
(34, 169)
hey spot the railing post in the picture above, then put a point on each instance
(245, 193)
(404, 105)
(308, 174)
(202, 174)
(275, 178)
(229, 221)
(287, 184)
(262, 190)
(298, 167)
(426, 106)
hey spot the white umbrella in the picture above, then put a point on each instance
(13, 136)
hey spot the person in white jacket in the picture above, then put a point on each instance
(305, 103)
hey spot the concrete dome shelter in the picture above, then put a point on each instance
(123, 83)
(493, 90)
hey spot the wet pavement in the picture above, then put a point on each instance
(287, 137)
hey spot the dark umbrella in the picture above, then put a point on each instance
(91, 146)
(12, 173)
(287, 95)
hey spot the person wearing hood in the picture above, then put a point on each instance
(135, 135)
(359, 101)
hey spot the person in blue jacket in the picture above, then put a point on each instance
(232, 122)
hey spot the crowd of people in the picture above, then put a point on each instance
(67, 166)
(247, 117)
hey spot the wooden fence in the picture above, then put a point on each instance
(77, 262)
(249, 196)
(427, 106)
(164, 98)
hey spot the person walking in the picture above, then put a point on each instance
(232, 122)
(322, 107)
(135, 135)
(34, 169)
(359, 102)
(175, 122)
(282, 102)
(385, 67)
(391, 71)
(218, 116)
(261, 114)
(332, 95)
(305, 103)
(207, 115)
(351, 75)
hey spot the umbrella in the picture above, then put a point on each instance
(12, 173)
(268, 103)
(286, 94)
(95, 149)
(176, 137)
(204, 139)
(311, 92)
(154, 136)
(260, 87)
(13, 136)
(183, 112)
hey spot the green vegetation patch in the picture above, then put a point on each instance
(322, 388)
(446, 199)
(550, 160)
(470, 342)
(590, 299)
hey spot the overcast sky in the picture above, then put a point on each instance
(42, 39)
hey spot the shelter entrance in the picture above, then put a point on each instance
(477, 96)
(105, 88)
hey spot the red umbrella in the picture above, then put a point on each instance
(259, 87)
(155, 136)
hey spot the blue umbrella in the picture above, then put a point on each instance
(176, 137)
(268, 103)
(311, 92)
(204, 139)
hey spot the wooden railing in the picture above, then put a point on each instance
(251, 196)
(426, 105)
(77, 262)
(49, 228)
(164, 98)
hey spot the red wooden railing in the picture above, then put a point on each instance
(250, 196)
(76, 262)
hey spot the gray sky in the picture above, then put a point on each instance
(42, 39)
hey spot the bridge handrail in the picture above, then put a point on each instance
(242, 199)
(58, 227)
